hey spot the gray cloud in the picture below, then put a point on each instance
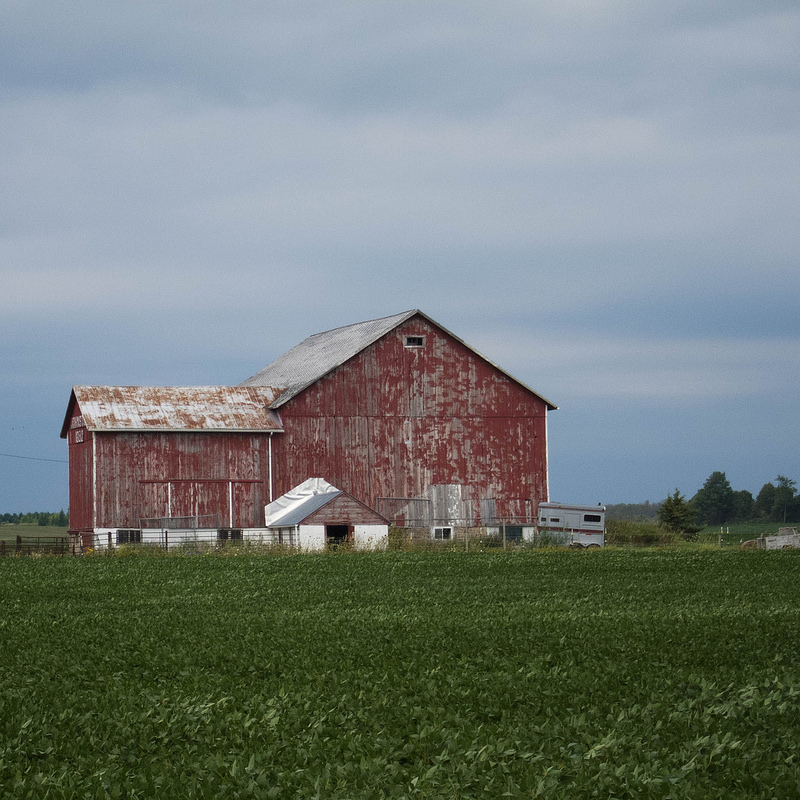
(608, 188)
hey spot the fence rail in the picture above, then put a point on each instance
(34, 545)
(186, 539)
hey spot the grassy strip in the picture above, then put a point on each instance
(653, 673)
(9, 532)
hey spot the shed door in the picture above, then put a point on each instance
(338, 534)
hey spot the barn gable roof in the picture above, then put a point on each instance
(304, 500)
(175, 408)
(321, 353)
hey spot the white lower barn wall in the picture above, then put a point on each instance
(365, 537)
(370, 537)
(177, 537)
(306, 537)
(311, 537)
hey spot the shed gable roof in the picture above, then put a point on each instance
(300, 502)
(304, 500)
(175, 408)
(321, 353)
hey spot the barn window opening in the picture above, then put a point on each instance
(415, 341)
(443, 534)
(129, 536)
(513, 533)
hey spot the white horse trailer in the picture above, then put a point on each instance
(573, 525)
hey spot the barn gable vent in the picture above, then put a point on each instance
(415, 341)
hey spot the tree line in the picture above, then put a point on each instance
(717, 503)
(58, 518)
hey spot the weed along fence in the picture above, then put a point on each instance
(449, 517)
(34, 545)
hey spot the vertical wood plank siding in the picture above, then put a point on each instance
(396, 419)
(141, 471)
(81, 474)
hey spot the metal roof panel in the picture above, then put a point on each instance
(178, 408)
(297, 513)
(317, 355)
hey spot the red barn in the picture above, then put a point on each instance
(397, 412)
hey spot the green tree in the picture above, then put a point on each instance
(744, 506)
(676, 514)
(783, 503)
(765, 501)
(714, 502)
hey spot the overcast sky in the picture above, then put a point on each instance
(602, 196)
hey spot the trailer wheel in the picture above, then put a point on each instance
(576, 546)
(593, 546)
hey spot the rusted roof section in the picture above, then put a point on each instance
(175, 408)
(317, 355)
(321, 353)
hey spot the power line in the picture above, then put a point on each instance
(33, 458)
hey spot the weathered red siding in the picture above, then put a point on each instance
(396, 419)
(145, 475)
(81, 473)
(142, 471)
(344, 510)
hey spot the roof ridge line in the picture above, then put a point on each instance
(408, 313)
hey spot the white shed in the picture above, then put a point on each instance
(315, 514)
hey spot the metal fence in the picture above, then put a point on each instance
(188, 539)
(34, 545)
(448, 507)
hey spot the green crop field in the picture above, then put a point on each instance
(617, 673)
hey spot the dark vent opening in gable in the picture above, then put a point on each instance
(415, 341)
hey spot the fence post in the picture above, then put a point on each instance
(19, 544)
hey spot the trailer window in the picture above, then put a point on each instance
(592, 518)
(555, 519)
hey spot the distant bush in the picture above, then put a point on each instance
(639, 534)
(632, 512)
(59, 519)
